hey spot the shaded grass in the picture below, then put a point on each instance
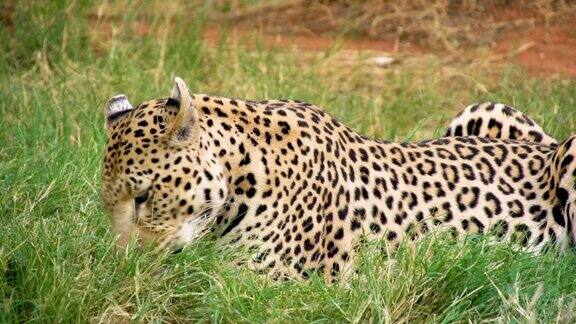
(57, 261)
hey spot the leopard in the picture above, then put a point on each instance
(300, 190)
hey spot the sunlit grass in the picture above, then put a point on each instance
(57, 261)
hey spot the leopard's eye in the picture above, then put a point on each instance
(141, 198)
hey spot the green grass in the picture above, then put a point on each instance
(57, 261)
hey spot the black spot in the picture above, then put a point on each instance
(458, 131)
(342, 213)
(172, 102)
(558, 215)
(242, 209)
(308, 246)
(139, 133)
(339, 234)
(261, 209)
(562, 195)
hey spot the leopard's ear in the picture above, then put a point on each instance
(183, 129)
(116, 107)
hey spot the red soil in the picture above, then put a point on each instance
(312, 42)
(552, 50)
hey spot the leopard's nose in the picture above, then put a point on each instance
(176, 251)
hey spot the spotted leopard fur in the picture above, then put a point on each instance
(497, 120)
(301, 189)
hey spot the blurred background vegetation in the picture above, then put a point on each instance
(390, 69)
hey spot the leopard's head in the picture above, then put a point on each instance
(161, 181)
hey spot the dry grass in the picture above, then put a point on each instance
(438, 24)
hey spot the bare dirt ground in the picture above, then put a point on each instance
(538, 35)
(542, 51)
(312, 42)
(553, 49)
